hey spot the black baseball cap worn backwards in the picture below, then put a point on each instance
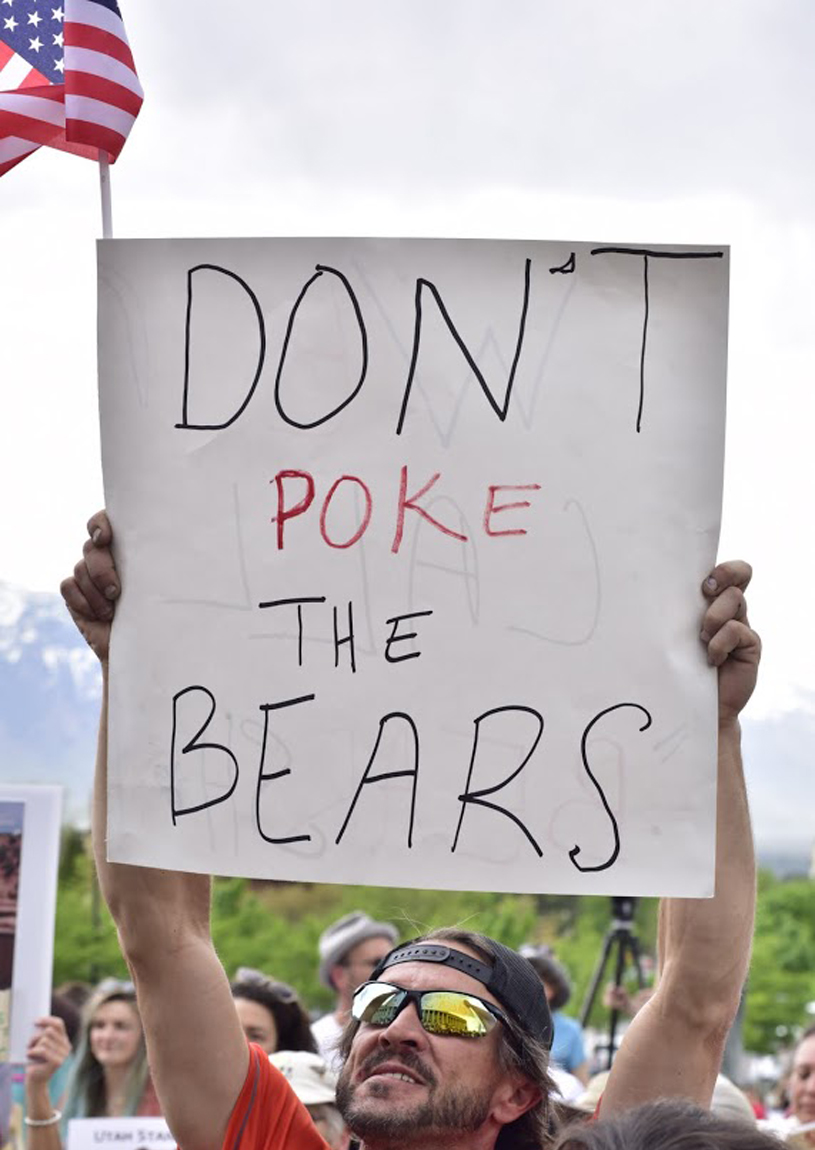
(508, 976)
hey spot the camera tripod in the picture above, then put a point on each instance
(620, 938)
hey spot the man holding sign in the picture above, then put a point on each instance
(448, 1041)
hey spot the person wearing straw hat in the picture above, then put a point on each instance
(315, 1084)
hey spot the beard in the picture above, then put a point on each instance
(452, 1108)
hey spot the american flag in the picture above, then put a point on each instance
(67, 79)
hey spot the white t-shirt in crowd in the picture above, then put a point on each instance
(327, 1033)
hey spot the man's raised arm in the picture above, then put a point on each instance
(197, 1051)
(674, 1045)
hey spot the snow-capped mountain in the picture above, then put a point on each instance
(50, 689)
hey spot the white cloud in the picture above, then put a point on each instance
(642, 120)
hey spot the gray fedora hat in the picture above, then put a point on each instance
(342, 936)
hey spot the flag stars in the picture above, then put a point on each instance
(39, 43)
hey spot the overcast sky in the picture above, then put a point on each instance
(633, 121)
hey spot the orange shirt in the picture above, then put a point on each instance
(268, 1114)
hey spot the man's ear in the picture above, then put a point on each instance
(513, 1098)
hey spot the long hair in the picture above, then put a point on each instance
(519, 1053)
(290, 1019)
(86, 1093)
(671, 1124)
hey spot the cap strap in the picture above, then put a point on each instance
(444, 955)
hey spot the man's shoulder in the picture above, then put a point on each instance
(268, 1114)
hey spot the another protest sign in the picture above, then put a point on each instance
(124, 1133)
(411, 536)
(29, 853)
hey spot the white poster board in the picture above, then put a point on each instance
(497, 465)
(29, 845)
(125, 1133)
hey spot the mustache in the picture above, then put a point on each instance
(406, 1058)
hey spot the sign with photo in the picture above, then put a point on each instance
(29, 856)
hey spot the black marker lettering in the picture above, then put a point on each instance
(646, 254)
(265, 778)
(575, 851)
(566, 269)
(368, 779)
(299, 604)
(363, 341)
(500, 410)
(395, 637)
(185, 424)
(477, 797)
(194, 745)
(349, 638)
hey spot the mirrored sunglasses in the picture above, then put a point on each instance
(446, 1012)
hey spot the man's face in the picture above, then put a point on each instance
(400, 1082)
(802, 1081)
(360, 961)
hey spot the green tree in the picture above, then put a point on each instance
(782, 971)
(86, 947)
(275, 927)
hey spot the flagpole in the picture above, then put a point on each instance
(104, 188)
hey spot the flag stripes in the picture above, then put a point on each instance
(15, 72)
(106, 91)
(83, 36)
(93, 109)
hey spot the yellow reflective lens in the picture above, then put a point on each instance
(448, 1012)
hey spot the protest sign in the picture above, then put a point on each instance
(412, 535)
(124, 1133)
(11, 843)
(29, 853)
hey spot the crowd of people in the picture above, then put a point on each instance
(451, 1039)
(89, 1057)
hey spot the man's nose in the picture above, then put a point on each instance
(406, 1029)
